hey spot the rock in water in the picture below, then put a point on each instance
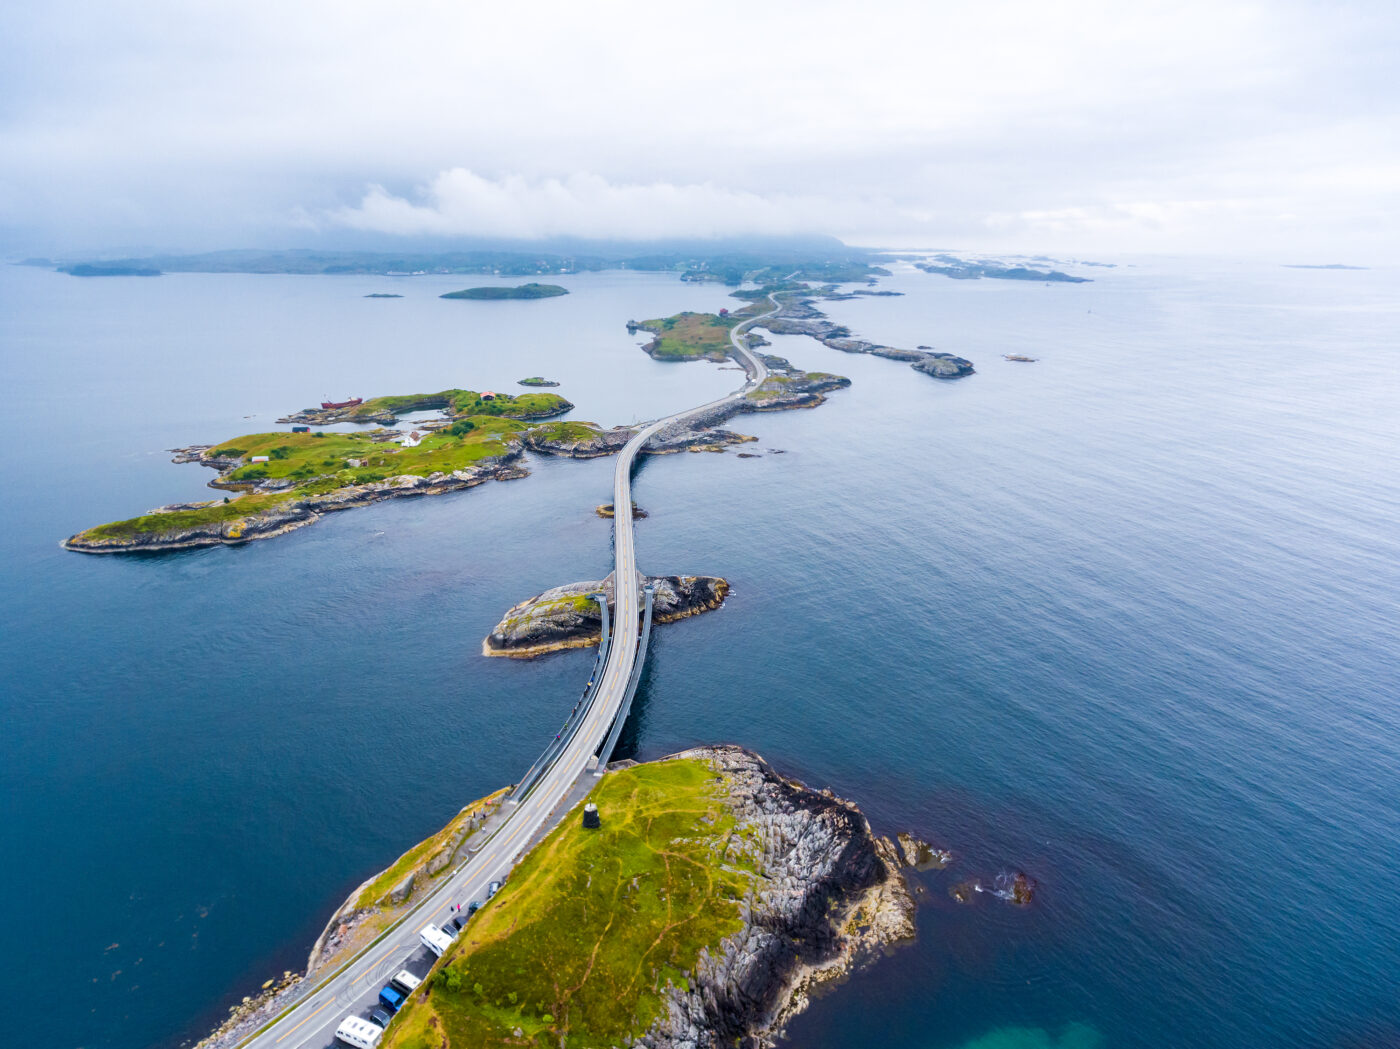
(567, 617)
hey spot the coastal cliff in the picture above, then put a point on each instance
(829, 897)
(568, 617)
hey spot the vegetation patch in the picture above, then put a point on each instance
(690, 336)
(578, 948)
(458, 403)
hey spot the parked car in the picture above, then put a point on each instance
(494, 888)
(391, 998)
(473, 907)
(380, 1017)
(458, 920)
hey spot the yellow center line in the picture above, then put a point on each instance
(293, 1030)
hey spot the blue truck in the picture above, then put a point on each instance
(391, 998)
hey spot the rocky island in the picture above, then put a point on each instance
(962, 269)
(569, 617)
(522, 291)
(537, 380)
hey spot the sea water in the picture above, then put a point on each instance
(1122, 618)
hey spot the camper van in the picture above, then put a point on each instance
(434, 939)
(360, 1033)
(405, 981)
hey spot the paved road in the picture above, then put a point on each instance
(311, 1022)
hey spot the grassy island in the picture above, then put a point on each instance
(537, 380)
(303, 467)
(522, 291)
(689, 336)
(579, 946)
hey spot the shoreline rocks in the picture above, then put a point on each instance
(830, 899)
(567, 617)
(800, 316)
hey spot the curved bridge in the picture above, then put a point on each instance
(544, 794)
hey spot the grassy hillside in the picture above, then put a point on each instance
(690, 336)
(578, 948)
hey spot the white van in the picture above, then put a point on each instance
(360, 1033)
(434, 939)
(405, 981)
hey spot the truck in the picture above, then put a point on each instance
(433, 938)
(391, 997)
(360, 1033)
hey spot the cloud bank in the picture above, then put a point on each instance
(1169, 125)
(460, 202)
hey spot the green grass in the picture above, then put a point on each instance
(523, 291)
(691, 336)
(567, 431)
(577, 949)
(464, 402)
(217, 513)
(320, 463)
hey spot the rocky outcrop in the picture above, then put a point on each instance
(572, 442)
(943, 366)
(568, 617)
(802, 317)
(296, 512)
(606, 510)
(790, 387)
(830, 897)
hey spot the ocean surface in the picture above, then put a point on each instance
(1124, 618)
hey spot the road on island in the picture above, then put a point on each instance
(354, 989)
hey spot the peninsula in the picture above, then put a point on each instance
(741, 891)
(744, 892)
(521, 291)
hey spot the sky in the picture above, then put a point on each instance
(1080, 126)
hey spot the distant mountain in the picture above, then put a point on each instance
(726, 261)
(1319, 266)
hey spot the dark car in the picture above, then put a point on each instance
(380, 1017)
(458, 921)
(494, 888)
(473, 907)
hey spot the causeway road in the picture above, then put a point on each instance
(353, 990)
